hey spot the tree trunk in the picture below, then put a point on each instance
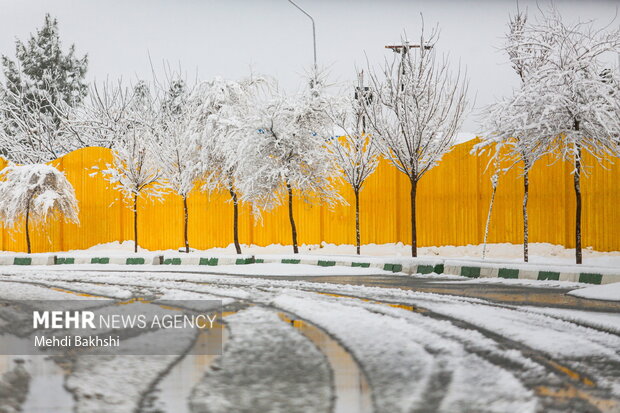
(28, 228)
(488, 224)
(135, 222)
(577, 177)
(414, 231)
(526, 229)
(291, 217)
(233, 195)
(185, 223)
(357, 220)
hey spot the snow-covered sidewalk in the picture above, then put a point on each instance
(540, 253)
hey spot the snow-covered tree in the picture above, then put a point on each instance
(105, 115)
(284, 153)
(354, 152)
(418, 107)
(570, 104)
(508, 123)
(35, 192)
(177, 147)
(224, 108)
(40, 87)
(136, 170)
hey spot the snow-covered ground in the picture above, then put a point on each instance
(295, 270)
(542, 253)
(418, 351)
(608, 292)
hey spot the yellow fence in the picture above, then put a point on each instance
(452, 206)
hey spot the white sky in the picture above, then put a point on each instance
(227, 37)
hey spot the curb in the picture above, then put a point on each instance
(209, 260)
(119, 260)
(589, 275)
(28, 260)
(464, 268)
(421, 266)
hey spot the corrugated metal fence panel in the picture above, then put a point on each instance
(453, 201)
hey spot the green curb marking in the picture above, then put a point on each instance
(208, 261)
(471, 272)
(22, 261)
(425, 269)
(508, 273)
(322, 263)
(590, 278)
(393, 267)
(548, 275)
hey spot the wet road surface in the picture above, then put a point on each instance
(387, 350)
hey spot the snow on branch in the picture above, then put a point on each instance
(221, 118)
(283, 148)
(355, 152)
(418, 107)
(38, 191)
(569, 100)
(136, 169)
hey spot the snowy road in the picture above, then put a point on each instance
(357, 343)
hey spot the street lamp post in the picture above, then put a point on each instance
(313, 31)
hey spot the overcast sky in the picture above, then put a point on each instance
(227, 37)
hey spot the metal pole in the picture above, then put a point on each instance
(313, 31)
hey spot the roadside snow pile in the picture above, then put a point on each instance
(540, 253)
(112, 247)
(296, 270)
(607, 292)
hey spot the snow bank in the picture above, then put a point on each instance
(540, 252)
(608, 292)
(296, 270)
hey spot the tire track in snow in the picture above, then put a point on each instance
(404, 362)
(267, 366)
(558, 370)
(84, 289)
(570, 390)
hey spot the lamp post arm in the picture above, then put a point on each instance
(313, 29)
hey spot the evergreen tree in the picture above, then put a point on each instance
(40, 86)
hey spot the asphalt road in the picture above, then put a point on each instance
(499, 293)
(385, 349)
